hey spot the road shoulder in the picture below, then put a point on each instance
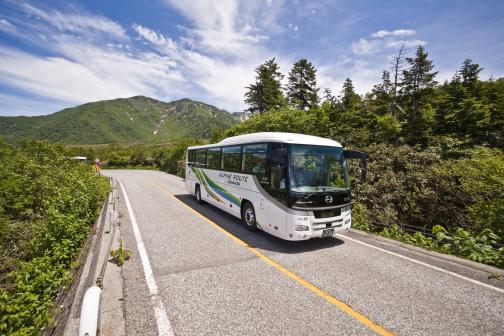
(467, 268)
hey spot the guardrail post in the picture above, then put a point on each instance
(90, 320)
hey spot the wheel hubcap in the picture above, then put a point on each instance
(249, 217)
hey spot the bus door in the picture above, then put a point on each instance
(277, 188)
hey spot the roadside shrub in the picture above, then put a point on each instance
(461, 243)
(481, 177)
(47, 206)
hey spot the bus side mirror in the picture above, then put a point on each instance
(362, 157)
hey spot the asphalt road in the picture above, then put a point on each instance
(209, 282)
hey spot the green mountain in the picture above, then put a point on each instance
(126, 120)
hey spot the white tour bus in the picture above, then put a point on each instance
(293, 186)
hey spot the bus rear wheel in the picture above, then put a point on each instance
(249, 217)
(197, 193)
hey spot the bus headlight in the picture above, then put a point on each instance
(301, 228)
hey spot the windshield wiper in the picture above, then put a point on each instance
(326, 188)
(313, 193)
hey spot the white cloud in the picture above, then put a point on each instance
(94, 74)
(398, 32)
(407, 43)
(82, 23)
(366, 47)
(223, 80)
(384, 39)
(213, 60)
(105, 63)
(362, 73)
(158, 39)
(6, 26)
(226, 27)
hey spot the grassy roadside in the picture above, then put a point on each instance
(47, 206)
(482, 247)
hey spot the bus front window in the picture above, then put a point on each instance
(317, 169)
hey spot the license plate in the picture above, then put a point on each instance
(327, 233)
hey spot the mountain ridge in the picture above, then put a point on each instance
(122, 120)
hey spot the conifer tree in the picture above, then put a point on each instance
(349, 99)
(417, 88)
(266, 93)
(328, 96)
(302, 91)
(353, 119)
(449, 98)
(494, 99)
(469, 73)
(382, 95)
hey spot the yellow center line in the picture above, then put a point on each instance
(326, 296)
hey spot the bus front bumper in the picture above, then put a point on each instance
(307, 227)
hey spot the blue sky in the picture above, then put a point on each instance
(57, 54)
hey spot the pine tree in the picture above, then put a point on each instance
(469, 73)
(417, 88)
(330, 105)
(266, 93)
(382, 95)
(447, 105)
(493, 91)
(302, 91)
(351, 122)
(328, 96)
(349, 98)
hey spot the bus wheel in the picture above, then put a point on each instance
(197, 192)
(249, 217)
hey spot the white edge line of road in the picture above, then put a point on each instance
(500, 290)
(163, 323)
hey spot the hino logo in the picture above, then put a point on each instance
(328, 199)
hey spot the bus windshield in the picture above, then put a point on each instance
(315, 169)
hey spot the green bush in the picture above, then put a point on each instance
(461, 243)
(481, 177)
(47, 205)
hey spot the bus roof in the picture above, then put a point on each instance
(274, 137)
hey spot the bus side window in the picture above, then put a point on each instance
(201, 157)
(231, 158)
(254, 161)
(214, 158)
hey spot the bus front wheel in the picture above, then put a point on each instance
(197, 193)
(249, 217)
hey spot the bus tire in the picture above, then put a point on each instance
(249, 217)
(197, 194)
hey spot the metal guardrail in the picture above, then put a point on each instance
(90, 312)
